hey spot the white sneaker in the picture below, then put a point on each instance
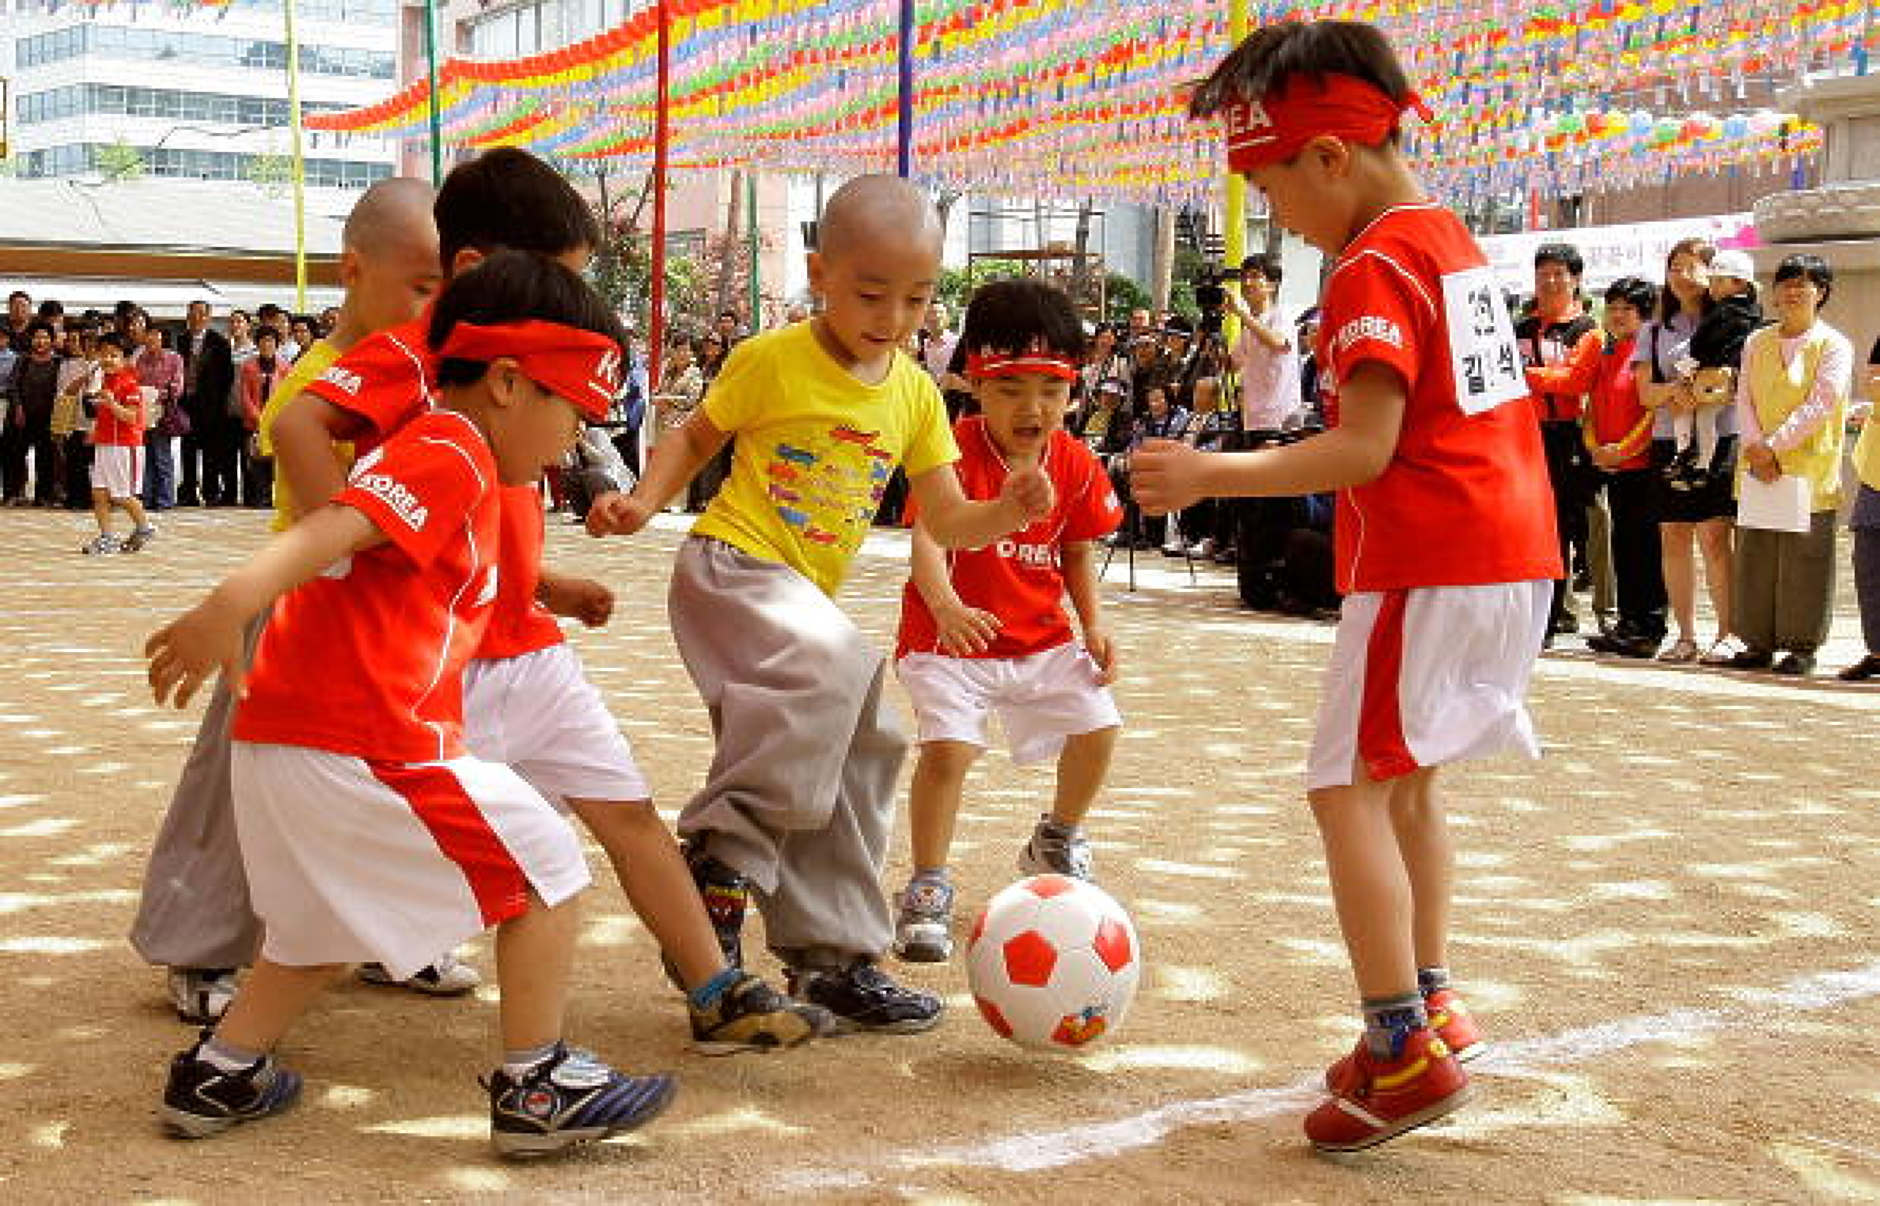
(447, 977)
(1205, 549)
(201, 994)
(103, 544)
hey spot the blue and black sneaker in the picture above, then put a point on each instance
(202, 1099)
(570, 1098)
(863, 997)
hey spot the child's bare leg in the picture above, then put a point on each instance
(134, 507)
(101, 510)
(1416, 813)
(534, 960)
(1083, 768)
(1369, 886)
(272, 996)
(934, 800)
(657, 882)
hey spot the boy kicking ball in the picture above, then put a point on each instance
(1445, 535)
(367, 829)
(984, 629)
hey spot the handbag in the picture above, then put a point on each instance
(175, 420)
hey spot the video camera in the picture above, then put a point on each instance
(1211, 297)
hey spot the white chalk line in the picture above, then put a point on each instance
(1041, 1150)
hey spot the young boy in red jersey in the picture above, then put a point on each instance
(1444, 535)
(528, 702)
(117, 463)
(368, 830)
(984, 629)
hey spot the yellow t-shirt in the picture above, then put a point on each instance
(314, 361)
(815, 449)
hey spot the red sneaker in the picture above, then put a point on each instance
(1391, 1096)
(1449, 1018)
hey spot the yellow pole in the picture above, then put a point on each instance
(1236, 199)
(300, 163)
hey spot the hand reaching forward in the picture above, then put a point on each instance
(185, 652)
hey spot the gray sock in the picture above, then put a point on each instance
(226, 1057)
(1390, 1021)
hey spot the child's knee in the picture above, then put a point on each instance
(947, 759)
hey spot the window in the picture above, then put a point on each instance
(119, 42)
(77, 159)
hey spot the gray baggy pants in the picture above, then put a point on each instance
(1784, 586)
(800, 796)
(195, 910)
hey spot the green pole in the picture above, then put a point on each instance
(430, 56)
(750, 234)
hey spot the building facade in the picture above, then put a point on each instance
(196, 94)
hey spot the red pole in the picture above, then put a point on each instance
(662, 136)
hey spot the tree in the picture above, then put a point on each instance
(119, 161)
(1121, 295)
(271, 171)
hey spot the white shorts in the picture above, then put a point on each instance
(1427, 676)
(1042, 699)
(118, 470)
(540, 715)
(351, 860)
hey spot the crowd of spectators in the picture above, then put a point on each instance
(205, 386)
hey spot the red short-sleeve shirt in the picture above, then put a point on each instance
(368, 658)
(109, 430)
(1465, 498)
(1018, 577)
(385, 381)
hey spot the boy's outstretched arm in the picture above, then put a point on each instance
(957, 522)
(208, 637)
(1166, 475)
(1079, 559)
(962, 630)
(676, 460)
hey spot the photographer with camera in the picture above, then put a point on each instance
(1265, 355)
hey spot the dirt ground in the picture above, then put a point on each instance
(1667, 927)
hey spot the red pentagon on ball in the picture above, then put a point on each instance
(1046, 886)
(1029, 958)
(1112, 944)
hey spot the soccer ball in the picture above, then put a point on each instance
(1053, 963)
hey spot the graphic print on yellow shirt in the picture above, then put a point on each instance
(815, 450)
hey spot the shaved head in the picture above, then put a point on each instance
(392, 215)
(871, 210)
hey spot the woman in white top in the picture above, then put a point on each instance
(1704, 517)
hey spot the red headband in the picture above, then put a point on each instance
(578, 365)
(1277, 127)
(1016, 364)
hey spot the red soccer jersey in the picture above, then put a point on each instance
(1615, 414)
(368, 658)
(1019, 577)
(519, 624)
(385, 381)
(1465, 498)
(111, 431)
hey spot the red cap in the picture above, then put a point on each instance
(581, 366)
(1278, 126)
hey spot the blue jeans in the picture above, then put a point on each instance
(159, 472)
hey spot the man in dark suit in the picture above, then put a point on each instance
(214, 437)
